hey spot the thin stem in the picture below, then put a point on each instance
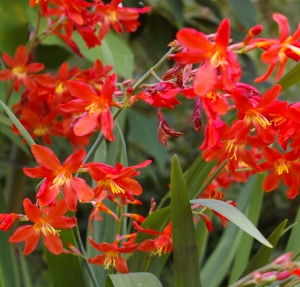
(88, 266)
(155, 67)
(33, 42)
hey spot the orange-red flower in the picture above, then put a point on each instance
(118, 17)
(163, 242)
(118, 180)
(59, 175)
(279, 50)
(45, 222)
(111, 255)
(283, 166)
(215, 56)
(254, 110)
(19, 69)
(95, 106)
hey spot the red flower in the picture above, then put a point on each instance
(19, 69)
(254, 110)
(118, 181)
(111, 255)
(45, 224)
(282, 166)
(214, 55)
(163, 242)
(162, 95)
(279, 50)
(59, 175)
(95, 106)
(114, 15)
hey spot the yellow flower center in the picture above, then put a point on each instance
(112, 16)
(60, 88)
(254, 115)
(213, 96)
(61, 178)
(110, 259)
(218, 59)
(41, 131)
(46, 229)
(281, 166)
(19, 72)
(111, 185)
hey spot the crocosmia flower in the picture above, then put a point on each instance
(45, 224)
(59, 176)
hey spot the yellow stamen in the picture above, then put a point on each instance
(46, 228)
(41, 131)
(60, 88)
(282, 166)
(110, 260)
(19, 71)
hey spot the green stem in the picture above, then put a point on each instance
(33, 42)
(155, 67)
(88, 266)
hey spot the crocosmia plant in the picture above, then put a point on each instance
(99, 188)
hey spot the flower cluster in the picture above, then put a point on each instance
(75, 103)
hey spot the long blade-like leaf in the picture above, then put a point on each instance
(233, 215)
(142, 279)
(17, 123)
(186, 264)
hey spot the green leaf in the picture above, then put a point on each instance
(293, 241)
(244, 11)
(176, 8)
(185, 256)
(9, 275)
(253, 213)
(234, 216)
(17, 123)
(142, 279)
(66, 269)
(291, 78)
(263, 254)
